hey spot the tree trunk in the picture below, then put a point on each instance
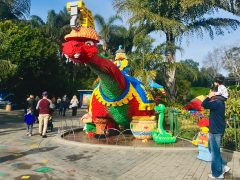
(105, 47)
(170, 70)
(170, 79)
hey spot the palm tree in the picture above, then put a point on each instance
(18, 9)
(122, 36)
(177, 19)
(106, 28)
(36, 21)
(57, 25)
(144, 60)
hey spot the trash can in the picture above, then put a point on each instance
(8, 107)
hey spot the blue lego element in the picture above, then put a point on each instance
(204, 154)
(155, 85)
(139, 88)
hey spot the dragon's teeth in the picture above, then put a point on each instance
(77, 55)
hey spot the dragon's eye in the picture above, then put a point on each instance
(89, 43)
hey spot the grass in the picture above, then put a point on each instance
(197, 91)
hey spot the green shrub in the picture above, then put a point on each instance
(233, 104)
(229, 139)
(187, 126)
(188, 133)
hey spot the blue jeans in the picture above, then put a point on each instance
(29, 128)
(214, 144)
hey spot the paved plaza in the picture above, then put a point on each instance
(23, 157)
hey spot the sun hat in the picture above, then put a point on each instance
(83, 32)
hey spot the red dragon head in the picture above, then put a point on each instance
(81, 45)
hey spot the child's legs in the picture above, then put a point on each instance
(27, 128)
(60, 111)
(30, 128)
(219, 97)
(64, 111)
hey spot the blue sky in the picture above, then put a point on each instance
(195, 49)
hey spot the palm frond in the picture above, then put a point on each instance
(36, 20)
(211, 26)
(99, 20)
(22, 8)
(112, 19)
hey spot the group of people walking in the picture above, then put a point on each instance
(64, 104)
(42, 109)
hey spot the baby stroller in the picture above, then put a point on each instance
(50, 124)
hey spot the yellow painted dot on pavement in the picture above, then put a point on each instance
(18, 154)
(25, 177)
(34, 145)
(45, 161)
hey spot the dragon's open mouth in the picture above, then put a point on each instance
(76, 55)
(72, 59)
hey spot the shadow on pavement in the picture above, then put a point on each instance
(11, 119)
(10, 131)
(227, 155)
(22, 154)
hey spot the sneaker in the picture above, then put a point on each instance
(226, 169)
(213, 177)
(44, 136)
(27, 134)
(30, 135)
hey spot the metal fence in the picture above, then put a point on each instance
(231, 139)
(180, 125)
(185, 126)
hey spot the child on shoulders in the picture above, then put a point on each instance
(29, 119)
(221, 91)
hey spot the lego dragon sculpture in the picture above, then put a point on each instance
(118, 96)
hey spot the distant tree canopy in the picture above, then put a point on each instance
(231, 61)
(7, 70)
(227, 58)
(32, 52)
(35, 62)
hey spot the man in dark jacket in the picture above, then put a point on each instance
(32, 104)
(217, 127)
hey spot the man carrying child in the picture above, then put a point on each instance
(217, 124)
